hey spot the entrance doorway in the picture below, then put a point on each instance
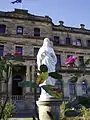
(16, 90)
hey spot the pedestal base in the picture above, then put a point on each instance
(51, 106)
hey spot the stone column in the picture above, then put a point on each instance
(66, 90)
(49, 106)
(66, 86)
(79, 89)
(33, 73)
(27, 77)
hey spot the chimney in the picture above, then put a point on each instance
(61, 23)
(82, 26)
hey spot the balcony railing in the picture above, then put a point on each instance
(81, 69)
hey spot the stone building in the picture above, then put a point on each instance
(22, 31)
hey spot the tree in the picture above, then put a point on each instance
(6, 65)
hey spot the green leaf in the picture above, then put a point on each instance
(43, 68)
(41, 78)
(55, 75)
(27, 84)
(74, 79)
(87, 62)
(52, 90)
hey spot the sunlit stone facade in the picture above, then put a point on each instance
(20, 30)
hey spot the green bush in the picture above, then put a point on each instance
(8, 111)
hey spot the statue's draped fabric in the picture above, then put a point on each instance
(46, 56)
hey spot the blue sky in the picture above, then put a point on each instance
(72, 12)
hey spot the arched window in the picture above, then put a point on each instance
(72, 89)
(84, 87)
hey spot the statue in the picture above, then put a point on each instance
(46, 56)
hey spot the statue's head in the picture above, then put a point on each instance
(47, 42)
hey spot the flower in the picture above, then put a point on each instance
(16, 53)
(70, 61)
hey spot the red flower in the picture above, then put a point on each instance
(70, 61)
(16, 53)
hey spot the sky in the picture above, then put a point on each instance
(72, 12)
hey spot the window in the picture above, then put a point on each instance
(19, 49)
(72, 89)
(88, 43)
(58, 61)
(19, 30)
(2, 28)
(84, 87)
(36, 31)
(68, 41)
(56, 40)
(81, 61)
(1, 50)
(78, 42)
(36, 51)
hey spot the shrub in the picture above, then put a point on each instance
(8, 111)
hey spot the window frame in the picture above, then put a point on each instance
(56, 40)
(81, 59)
(19, 32)
(88, 43)
(78, 42)
(58, 61)
(68, 42)
(37, 32)
(84, 87)
(72, 89)
(36, 51)
(18, 50)
(4, 28)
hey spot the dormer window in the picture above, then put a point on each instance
(19, 30)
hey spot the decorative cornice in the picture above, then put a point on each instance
(23, 14)
(70, 29)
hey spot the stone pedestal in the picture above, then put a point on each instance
(49, 105)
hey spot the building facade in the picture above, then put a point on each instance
(24, 32)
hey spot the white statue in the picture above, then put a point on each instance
(46, 56)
